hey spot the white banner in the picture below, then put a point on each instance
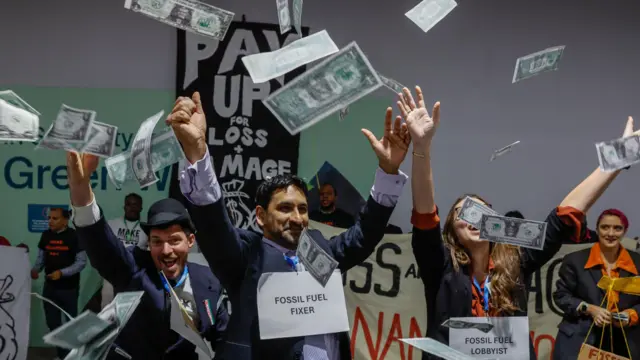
(15, 303)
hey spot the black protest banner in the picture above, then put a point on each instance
(247, 142)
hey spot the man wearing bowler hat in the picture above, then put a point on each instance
(171, 234)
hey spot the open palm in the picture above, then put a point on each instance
(392, 147)
(421, 126)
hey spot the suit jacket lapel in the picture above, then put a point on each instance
(202, 290)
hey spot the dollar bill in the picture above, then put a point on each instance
(189, 15)
(165, 151)
(343, 113)
(269, 65)
(72, 125)
(513, 231)
(284, 16)
(332, 85)
(471, 212)
(429, 12)
(18, 120)
(437, 348)
(620, 316)
(315, 260)
(504, 150)
(460, 324)
(537, 63)
(297, 16)
(619, 153)
(51, 143)
(141, 152)
(391, 84)
(102, 140)
(77, 332)
(126, 304)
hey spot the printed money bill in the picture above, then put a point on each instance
(141, 152)
(332, 85)
(50, 143)
(72, 125)
(437, 348)
(391, 84)
(265, 66)
(102, 140)
(343, 113)
(429, 12)
(189, 15)
(459, 324)
(18, 120)
(620, 316)
(77, 332)
(537, 63)
(513, 231)
(165, 151)
(619, 153)
(504, 150)
(315, 260)
(471, 212)
(284, 16)
(297, 16)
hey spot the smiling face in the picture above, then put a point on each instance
(610, 231)
(285, 217)
(169, 249)
(458, 232)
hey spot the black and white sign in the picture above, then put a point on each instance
(247, 143)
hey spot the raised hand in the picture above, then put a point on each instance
(190, 125)
(393, 146)
(421, 126)
(628, 130)
(79, 170)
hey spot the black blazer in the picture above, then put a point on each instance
(448, 292)
(576, 284)
(239, 257)
(147, 334)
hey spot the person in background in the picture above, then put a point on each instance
(4, 241)
(127, 229)
(464, 275)
(62, 258)
(514, 214)
(581, 300)
(148, 333)
(328, 213)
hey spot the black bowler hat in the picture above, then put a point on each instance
(166, 212)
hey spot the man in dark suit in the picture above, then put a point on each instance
(148, 335)
(240, 257)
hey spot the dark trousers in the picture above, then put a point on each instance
(67, 300)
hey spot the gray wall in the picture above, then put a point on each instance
(466, 62)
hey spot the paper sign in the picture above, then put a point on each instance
(292, 304)
(507, 339)
(588, 352)
(182, 323)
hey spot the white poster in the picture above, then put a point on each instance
(491, 337)
(15, 303)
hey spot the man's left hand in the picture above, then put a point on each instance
(394, 144)
(56, 275)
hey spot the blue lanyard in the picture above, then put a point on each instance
(185, 273)
(484, 291)
(292, 261)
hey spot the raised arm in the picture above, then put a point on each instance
(220, 242)
(107, 254)
(356, 244)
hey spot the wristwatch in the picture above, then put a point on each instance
(583, 307)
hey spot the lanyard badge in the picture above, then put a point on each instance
(292, 261)
(185, 273)
(485, 292)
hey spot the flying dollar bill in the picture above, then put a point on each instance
(505, 150)
(141, 152)
(189, 15)
(429, 12)
(391, 84)
(102, 140)
(437, 348)
(77, 332)
(165, 151)
(460, 324)
(72, 125)
(19, 121)
(284, 15)
(332, 85)
(343, 113)
(50, 143)
(315, 260)
(619, 153)
(269, 65)
(471, 212)
(513, 231)
(297, 16)
(537, 63)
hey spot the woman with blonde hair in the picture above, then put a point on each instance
(463, 275)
